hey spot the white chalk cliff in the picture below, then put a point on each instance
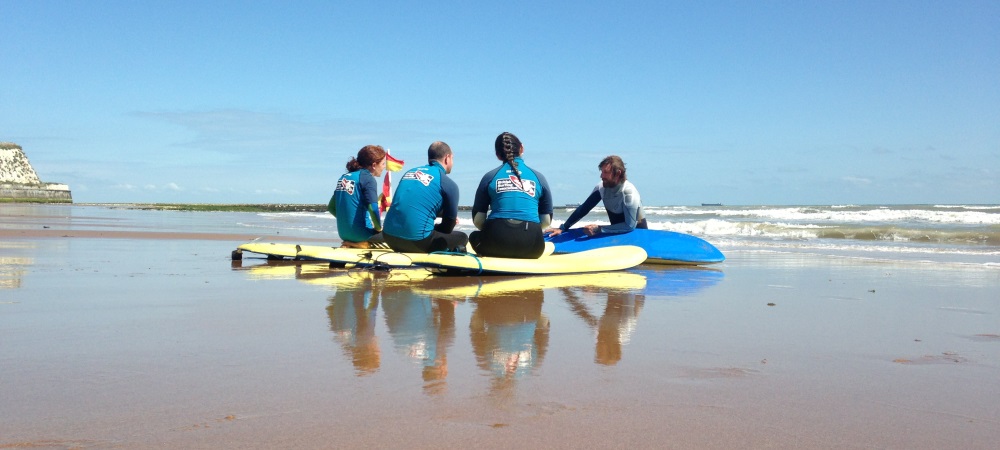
(19, 182)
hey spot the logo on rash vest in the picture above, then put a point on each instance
(512, 184)
(423, 178)
(346, 185)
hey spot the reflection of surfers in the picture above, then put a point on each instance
(615, 327)
(423, 329)
(352, 320)
(509, 335)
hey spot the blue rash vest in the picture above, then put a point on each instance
(424, 193)
(355, 204)
(505, 197)
(622, 203)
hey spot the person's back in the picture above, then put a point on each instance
(355, 200)
(354, 223)
(423, 194)
(518, 203)
(624, 207)
(514, 195)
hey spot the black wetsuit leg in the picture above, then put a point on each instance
(436, 242)
(507, 238)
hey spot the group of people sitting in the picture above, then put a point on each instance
(512, 209)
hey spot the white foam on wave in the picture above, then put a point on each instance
(844, 214)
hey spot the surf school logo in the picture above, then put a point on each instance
(424, 178)
(512, 184)
(346, 185)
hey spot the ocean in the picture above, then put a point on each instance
(953, 234)
(937, 234)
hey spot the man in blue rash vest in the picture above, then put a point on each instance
(425, 193)
(355, 201)
(519, 203)
(621, 201)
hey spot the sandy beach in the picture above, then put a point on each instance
(139, 331)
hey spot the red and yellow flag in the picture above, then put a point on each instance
(391, 165)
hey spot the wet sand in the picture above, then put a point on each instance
(150, 337)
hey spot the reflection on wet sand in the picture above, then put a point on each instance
(615, 325)
(508, 330)
(422, 328)
(13, 268)
(352, 320)
(509, 335)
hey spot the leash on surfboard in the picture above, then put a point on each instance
(479, 262)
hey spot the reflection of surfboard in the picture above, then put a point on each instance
(661, 246)
(483, 287)
(275, 269)
(598, 260)
(375, 257)
(679, 281)
(365, 278)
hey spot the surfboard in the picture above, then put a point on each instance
(276, 250)
(353, 257)
(461, 288)
(661, 246)
(271, 250)
(350, 257)
(603, 259)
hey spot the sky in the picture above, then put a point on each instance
(733, 102)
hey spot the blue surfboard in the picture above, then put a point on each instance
(662, 246)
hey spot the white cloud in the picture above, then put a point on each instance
(857, 181)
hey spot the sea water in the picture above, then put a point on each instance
(962, 234)
(953, 234)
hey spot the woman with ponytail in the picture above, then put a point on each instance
(513, 205)
(355, 201)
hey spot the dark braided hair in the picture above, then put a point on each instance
(507, 147)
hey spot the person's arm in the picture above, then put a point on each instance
(481, 204)
(449, 205)
(369, 194)
(332, 206)
(545, 202)
(632, 206)
(582, 210)
(579, 213)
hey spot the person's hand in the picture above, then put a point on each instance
(592, 229)
(552, 232)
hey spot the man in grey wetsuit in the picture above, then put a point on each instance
(621, 200)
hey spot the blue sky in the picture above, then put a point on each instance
(739, 102)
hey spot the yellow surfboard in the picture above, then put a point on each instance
(351, 257)
(275, 250)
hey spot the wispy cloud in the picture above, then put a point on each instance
(857, 181)
(239, 132)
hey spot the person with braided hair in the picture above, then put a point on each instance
(355, 200)
(425, 193)
(621, 201)
(513, 205)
